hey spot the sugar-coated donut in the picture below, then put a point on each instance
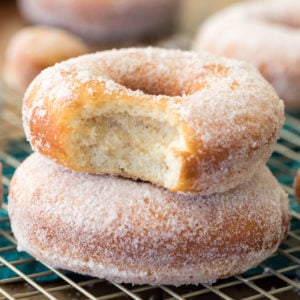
(104, 20)
(129, 231)
(186, 121)
(34, 48)
(265, 33)
(297, 186)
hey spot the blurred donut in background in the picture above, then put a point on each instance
(34, 48)
(265, 33)
(104, 21)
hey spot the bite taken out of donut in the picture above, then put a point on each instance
(34, 48)
(136, 232)
(188, 122)
(265, 33)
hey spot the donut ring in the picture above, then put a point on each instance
(189, 122)
(264, 33)
(105, 21)
(121, 230)
(35, 48)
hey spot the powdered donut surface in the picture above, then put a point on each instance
(185, 121)
(265, 33)
(125, 231)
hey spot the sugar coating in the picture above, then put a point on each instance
(128, 231)
(231, 115)
(264, 33)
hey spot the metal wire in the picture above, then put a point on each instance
(21, 277)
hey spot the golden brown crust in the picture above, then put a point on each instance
(136, 232)
(226, 132)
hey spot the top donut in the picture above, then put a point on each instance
(188, 122)
(265, 33)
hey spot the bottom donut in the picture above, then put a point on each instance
(135, 232)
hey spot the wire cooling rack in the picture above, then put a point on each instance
(21, 277)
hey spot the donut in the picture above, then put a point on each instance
(104, 21)
(296, 186)
(34, 48)
(72, 106)
(135, 232)
(264, 33)
(188, 122)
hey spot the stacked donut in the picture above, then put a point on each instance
(150, 167)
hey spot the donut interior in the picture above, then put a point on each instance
(122, 142)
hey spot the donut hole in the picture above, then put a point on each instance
(162, 79)
(123, 143)
(158, 86)
(290, 23)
